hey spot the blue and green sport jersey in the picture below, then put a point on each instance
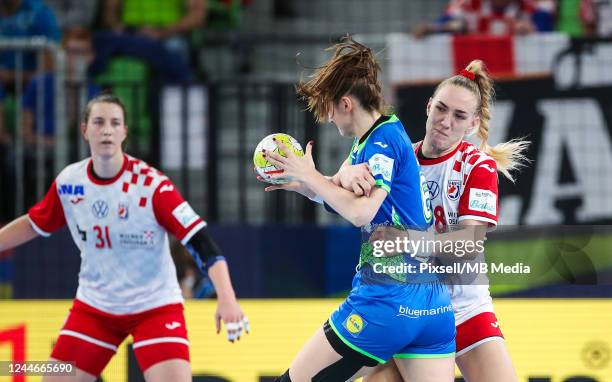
(387, 149)
(391, 314)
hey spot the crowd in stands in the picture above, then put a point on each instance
(151, 42)
(578, 18)
(134, 47)
(152, 37)
(130, 47)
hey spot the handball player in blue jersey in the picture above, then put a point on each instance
(387, 314)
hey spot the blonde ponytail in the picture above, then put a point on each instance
(508, 156)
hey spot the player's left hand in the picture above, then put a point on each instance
(356, 178)
(234, 320)
(295, 167)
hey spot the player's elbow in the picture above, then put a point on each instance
(361, 218)
(365, 208)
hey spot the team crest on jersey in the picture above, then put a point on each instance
(123, 212)
(434, 188)
(453, 189)
(100, 209)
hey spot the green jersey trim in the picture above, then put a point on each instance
(380, 183)
(357, 147)
(347, 343)
(423, 356)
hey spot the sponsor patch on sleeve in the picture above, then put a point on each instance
(483, 201)
(381, 165)
(185, 215)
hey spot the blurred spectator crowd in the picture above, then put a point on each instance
(151, 38)
(130, 47)
(134, 47)
(578, 18)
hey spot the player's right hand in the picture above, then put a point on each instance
(356, 178)
(294, 186)
(234, 320)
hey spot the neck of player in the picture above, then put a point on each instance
(364, 121)
(430, 151)
(107, 167)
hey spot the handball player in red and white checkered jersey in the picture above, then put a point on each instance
(464, 189)
(119, 211)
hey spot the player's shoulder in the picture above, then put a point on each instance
(74, 171)
(390, 134)
(471, 156)
(151, 176)
(140, 167)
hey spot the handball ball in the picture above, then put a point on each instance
(264, 168)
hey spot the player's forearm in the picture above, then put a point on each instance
(220, 277)
(310, 194)
(16, 233)
(355, 209)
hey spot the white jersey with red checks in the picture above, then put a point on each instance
(463, 185)
(120, 226)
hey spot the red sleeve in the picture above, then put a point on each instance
(479, 200)
(47, 216)
(174, 213)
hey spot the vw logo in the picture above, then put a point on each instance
(434, 188)
(100, 209)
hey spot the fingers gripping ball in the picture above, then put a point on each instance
(264, 168)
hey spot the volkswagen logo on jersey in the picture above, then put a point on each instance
(453, 190)
(434, 188)
(123, 212)
(100, 209)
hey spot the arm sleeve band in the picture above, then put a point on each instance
(204, 250)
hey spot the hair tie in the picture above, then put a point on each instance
(467, 74)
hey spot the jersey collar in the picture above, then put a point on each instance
(383, 120)
(430, 161)
(103, 182)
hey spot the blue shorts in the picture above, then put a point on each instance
(396, 320)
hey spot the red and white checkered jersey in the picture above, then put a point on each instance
(463, 185)
(120, 225)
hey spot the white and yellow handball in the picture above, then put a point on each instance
(264, 168)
